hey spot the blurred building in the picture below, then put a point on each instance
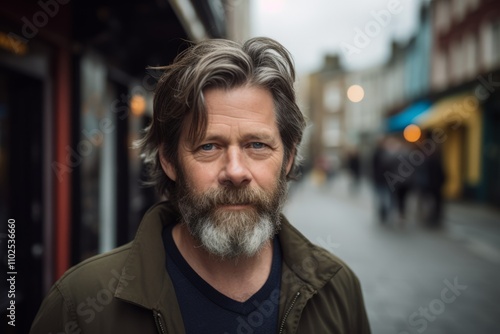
(392, 88)
(238, 19)
(445, 79)
(326, 112)
(75, 92)
(363, 118)
(465, 81)
(348, 108)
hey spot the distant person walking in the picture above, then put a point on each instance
(396, 186)
(433, 190)
(380, 186)
(354, 165)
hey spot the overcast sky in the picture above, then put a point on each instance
(360, 30)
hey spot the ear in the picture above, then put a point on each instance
(167, 167)
(289, 163)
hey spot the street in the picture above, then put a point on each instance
(414, 279)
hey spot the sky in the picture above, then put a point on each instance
(360, 31)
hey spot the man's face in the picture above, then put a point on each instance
(232, 185)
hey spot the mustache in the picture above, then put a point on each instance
(234, 196)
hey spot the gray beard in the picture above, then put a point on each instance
(230, 243)
(230, 234)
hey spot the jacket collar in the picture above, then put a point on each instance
(146, 259)
(314, 266)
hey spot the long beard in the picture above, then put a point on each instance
(229, 233)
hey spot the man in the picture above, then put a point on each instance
(218, 256)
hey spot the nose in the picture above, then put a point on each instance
(235, 171)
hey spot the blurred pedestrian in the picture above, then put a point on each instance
(398, 174)
(218, 256)
(402, 188)
(324, 171)
(434, 184)
(382, 193)
(354, 165)
(428, 182)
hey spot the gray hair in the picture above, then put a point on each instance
(218, 63)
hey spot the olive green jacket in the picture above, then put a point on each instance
(128, 290)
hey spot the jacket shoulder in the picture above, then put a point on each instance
(66, 304)
(102, 265)
(339, 302)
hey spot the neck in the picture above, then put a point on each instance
(237, 278)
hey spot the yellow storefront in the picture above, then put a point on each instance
(460, 118)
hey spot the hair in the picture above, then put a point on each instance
(218, 63)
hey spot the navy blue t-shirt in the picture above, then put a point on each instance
(206, 310)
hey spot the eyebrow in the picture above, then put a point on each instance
(263, 136)
(259, 136)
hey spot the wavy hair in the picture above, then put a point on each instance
(218, 63)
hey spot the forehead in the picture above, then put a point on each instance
(243, 109)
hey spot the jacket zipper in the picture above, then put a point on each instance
(159, 322)
(288, 312)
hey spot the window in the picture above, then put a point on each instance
(472, 4)
(332, 96)
(456, 59)
(439, 70)
(470, 52)
(443, 17)
(487, 46)
(459, 8)
(332, 132)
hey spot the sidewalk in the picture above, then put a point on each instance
(475, 225)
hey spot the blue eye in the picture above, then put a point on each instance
(207, 147)
(257, 145)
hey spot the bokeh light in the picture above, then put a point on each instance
(355, 93)
(138, 105)
(412, 133)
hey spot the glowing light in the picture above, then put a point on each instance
(137, 105)
(355, 93)
(412, 133)
(13, 44)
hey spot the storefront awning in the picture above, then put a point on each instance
(407, 116)
(452, 111)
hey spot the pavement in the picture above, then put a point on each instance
(414, 279)
(478, 226)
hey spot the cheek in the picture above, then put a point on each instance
(268, 175)
(202, 177)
